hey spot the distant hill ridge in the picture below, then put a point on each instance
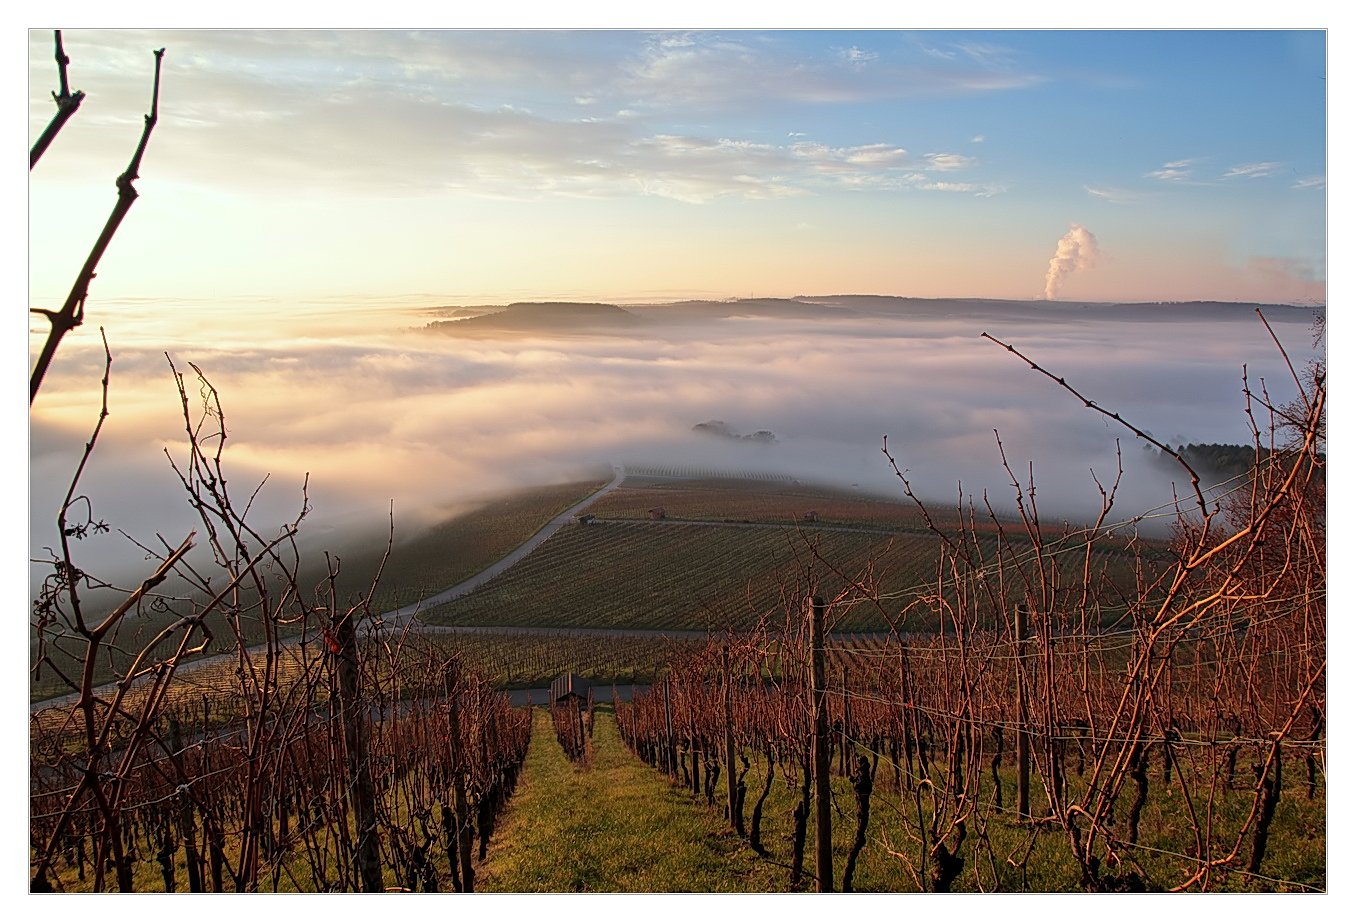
(544, 316)
(595, 317)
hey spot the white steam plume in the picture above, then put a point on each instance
(1076, 250)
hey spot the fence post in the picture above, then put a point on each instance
(693, 752)
(1023, 737)
(670, 745)
(367, 855)
(845, 761)
(188, 833)
(731, 782)
(459, 802)
(823, 828)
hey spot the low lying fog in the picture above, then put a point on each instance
(385, 412)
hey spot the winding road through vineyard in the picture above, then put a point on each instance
(397, 619)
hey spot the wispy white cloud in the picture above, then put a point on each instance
(1311, 182)
(1254, 170)
(988, 54)
(697, 169)
(980, 189)
(1175, 170)
(1116, 195)
(492, 113)
(857, 57)
(734, 72)
(948, 161)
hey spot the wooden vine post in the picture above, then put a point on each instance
(823, 827)
(731, 780)
(845, 748)
(460, 804)
(367, 854)
(1023, 737)
(670, 745)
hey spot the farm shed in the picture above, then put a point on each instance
(657, 513)
(585, 519)
(569, 687)
(810, 516)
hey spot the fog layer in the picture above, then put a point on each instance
(397, 410)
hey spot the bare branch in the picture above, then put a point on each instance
(67, 103)
(72, 313)
(1195, 478)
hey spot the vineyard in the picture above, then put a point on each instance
(1040, 790)
(428, 561)
(1183, 749)
(744, 500)
(342, 782)
(460, 547)
(324, 761)
(975, 703)
(620, 574)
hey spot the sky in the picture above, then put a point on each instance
(482, 166)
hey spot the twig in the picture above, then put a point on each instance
(72, 313)
(67, 103)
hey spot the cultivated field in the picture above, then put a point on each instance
(726, 555)
(998, 707)
(418, 565)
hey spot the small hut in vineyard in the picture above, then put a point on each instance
(569, 688)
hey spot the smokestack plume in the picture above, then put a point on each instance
(1076, 250)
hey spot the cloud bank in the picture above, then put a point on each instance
(380, 412)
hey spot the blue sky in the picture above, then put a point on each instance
(473, 166)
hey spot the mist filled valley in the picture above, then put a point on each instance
(409, 414)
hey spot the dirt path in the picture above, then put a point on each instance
(396, 620)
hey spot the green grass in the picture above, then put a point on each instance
(997, 842)
(617, 826)
(620, 826)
